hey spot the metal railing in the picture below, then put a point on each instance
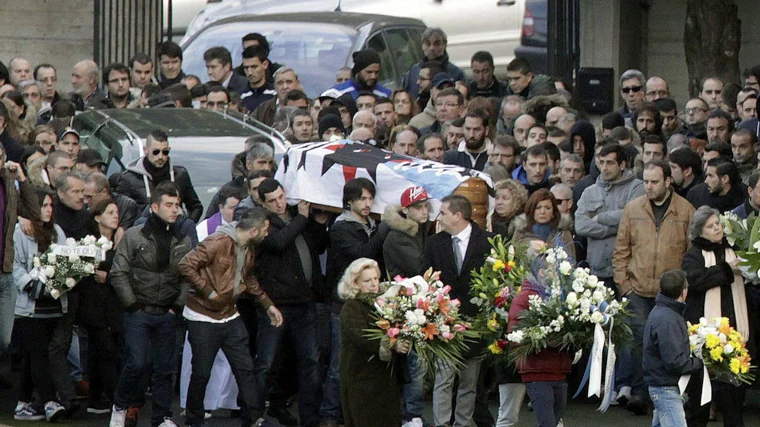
(126, 27)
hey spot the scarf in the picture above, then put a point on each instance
(542, 230)
(712, 297)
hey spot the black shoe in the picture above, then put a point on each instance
(281, 414)
(637, 405)
(99, 408)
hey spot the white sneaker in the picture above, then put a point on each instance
(168, 422)
(624, 395)
(118, 417)
(53, 411)
(416, 422)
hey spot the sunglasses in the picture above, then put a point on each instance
(164, 152)
(629, 89)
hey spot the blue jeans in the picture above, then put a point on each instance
(549, 399)
(640, 307)
(414, 401)
(144, 333)
(300, 325)
(331, 406)
(668, 407)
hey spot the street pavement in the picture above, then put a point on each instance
(578, 415)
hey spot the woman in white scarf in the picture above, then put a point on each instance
(716, 289)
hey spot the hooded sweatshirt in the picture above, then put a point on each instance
(240, 251)
(586, 131)
(600, 209)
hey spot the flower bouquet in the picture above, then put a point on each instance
(744, 235)
(722, 349)
(493, 288)
(574, 302)
(419, 309)
(61, 267)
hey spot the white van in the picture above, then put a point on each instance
(471, 25)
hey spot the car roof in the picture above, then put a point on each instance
(176, 122)
(347, 19)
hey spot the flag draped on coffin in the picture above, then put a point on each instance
(316, 172)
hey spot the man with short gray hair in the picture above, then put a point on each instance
(434, 43)
(632, 92)
(259, 156)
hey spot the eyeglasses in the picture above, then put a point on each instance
(630, 88)
(694, 110)
(164, 152)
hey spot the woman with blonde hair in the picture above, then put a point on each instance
(510, 201)
(372, 372)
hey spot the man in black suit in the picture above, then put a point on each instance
(219, 67)
(457, 250)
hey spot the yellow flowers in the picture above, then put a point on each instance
(717, 354)
(735, 366)
(712, 341)
(498, 265)
(495, 349)
(493, 324)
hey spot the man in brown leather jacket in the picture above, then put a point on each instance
(219, 270)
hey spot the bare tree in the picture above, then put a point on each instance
(712, 39)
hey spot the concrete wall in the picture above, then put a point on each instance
(54, 31)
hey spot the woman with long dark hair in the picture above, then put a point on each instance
(100, 314)
(38, 315)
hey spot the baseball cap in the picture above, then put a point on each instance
(442, 78)
(90, 157)
(67, 131)
(413, 195)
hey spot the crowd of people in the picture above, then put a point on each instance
(255, 301)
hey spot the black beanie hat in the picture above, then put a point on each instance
(330, 121)
(363, 59)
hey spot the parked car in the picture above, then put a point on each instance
(183, 12)
(533, 42)
(316, 45)
(492, 25)
(203, 141)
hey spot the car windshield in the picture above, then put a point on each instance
(316, 51)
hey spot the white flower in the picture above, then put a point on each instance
(89, 239)
(571, 299)
(89, 268)
(73, 258)
(565, 267)
(756, 245)
(71, 242)
(49, 271)
(70, 282)
(36, 262)
(516, 336)
(551, 258)
(728, 349)
(597, 317)
(511, 252)
(592, 281)
(597, 296)
(51, 257)
(491, 260)
(578, 286)
(55, 293)
(561, 254)
(416, 317)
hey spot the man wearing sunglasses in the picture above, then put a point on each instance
(145, 173)
(632, 92)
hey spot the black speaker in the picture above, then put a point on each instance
(596, 87)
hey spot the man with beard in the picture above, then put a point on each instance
(686, 169)
(744, 147)
(722, 189)
(84, 80)
(116, 77)
(364, 77)
(719, 126)
(434, 44)
(471, 152)
(218, 272)
(652, 238)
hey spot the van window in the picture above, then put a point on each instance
(386, 65)
(401, 45)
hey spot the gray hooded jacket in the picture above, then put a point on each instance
(598, 215)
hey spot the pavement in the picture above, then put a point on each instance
(579, 414)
